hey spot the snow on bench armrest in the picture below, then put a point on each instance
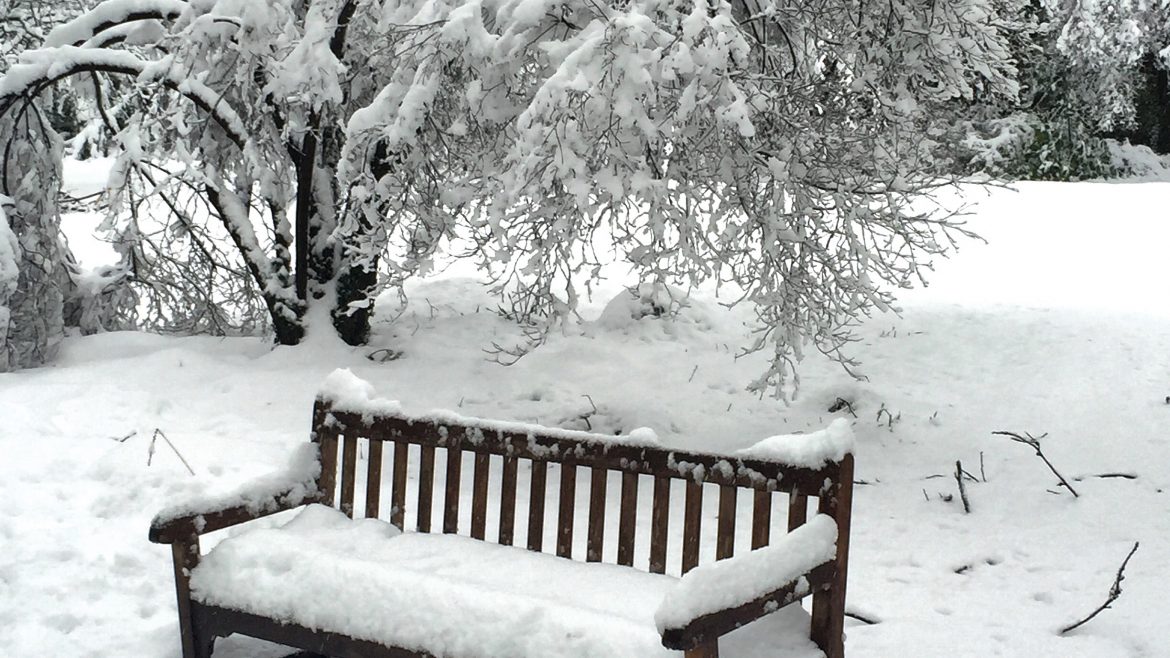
(290, 487)
(812, 450)
(727, 584)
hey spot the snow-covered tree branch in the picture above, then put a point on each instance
(779, 148)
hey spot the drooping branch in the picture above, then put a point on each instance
(50, 66)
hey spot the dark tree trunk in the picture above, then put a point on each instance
(355, 305)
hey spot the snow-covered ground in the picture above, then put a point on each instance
(1059, 325)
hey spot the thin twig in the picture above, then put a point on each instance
(962, 487)
(150, 451)
(1034, 442)
(865, 619)
(1114, 594)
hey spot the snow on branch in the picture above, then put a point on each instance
(39, 68)
(110, 14)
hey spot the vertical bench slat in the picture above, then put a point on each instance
(508, 502)
(567, 502)
(536, 492)
(328, 482)
(479, 491)
(348, 475)
(761, 519)
(659, 522)
(797, 511)
(426, 487)
(374, 479)
(597, 493)
(398, 487)
(451, 499)
(828, 609)
(628, 521)
(725, 542)
(692, 525)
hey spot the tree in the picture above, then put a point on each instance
(1089, 71)
(775, 147)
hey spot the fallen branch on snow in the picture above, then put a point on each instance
(1114, 594)
(1034, 442)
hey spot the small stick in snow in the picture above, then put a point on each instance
(692, 377)
(962, 487)
(1114, 594)
(123, 439)
(150, 451)
(1034, 442)
(982, 473)
(865, 619)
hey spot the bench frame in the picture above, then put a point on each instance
(831, 484)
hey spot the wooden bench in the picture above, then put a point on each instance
(401, 448)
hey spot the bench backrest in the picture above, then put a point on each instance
(521, 453)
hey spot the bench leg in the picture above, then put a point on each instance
(708, 649)
(195, 643)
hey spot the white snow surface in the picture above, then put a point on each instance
(727, 584)
(811, 450)
(1059, 324)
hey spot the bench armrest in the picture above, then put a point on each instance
(291, 487)
(716, 598)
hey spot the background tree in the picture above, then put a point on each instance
(775, 147)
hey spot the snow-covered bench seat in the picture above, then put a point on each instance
(335, 585)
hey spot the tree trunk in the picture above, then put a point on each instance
(356, 286)
(34, 322)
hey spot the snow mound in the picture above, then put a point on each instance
(808, 450)
(654, 301)
(346, 391)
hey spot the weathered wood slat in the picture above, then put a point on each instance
(761, 519)
(328, 482)
(451, 498)
(616, 455)
(597, 491)
(426, 487)
(725, 540)
(398, 487)
(659, 523)
(828, 609)
(348, 474)
(508, 502)
(628, 520)
(536, 493)
(223, 622)
(374, 480)
(797, 511)
(692, 525)
(567, 502)
(479, 493)
(708, 650)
